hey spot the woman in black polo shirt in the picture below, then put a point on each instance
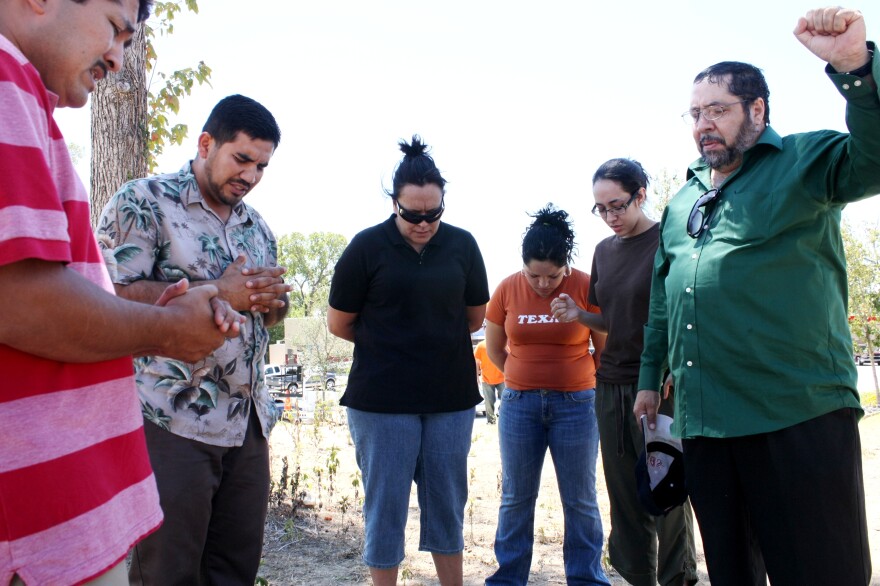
(408, 292)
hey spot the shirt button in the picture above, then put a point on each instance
(690, 326)
(845, 86)
(694, 255)
(857, 82)
(689, 363)
(688, 290)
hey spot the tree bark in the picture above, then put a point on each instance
(119, 122)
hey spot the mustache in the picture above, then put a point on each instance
(709, 137)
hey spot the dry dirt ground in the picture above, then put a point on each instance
(319, 543)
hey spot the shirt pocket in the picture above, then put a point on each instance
(744, 217)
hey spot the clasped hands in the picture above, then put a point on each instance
(255, 289)
(240, 288)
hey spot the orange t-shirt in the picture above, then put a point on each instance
(544, 353)
(489, 372)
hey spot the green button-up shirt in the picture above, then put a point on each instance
(752, 315)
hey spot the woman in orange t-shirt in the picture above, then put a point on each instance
(550, 380)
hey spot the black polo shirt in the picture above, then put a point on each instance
(412, 347)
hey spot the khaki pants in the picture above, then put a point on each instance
(491, 394)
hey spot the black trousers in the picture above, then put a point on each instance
(215, 501)
(789, 504)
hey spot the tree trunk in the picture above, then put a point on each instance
(119, 118)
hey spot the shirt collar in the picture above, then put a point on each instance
(768, 139)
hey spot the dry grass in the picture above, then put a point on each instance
(315, 536)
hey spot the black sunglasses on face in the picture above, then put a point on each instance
(697, 220)
(430, 216)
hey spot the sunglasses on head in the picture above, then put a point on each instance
(697, 220)
(430, 216)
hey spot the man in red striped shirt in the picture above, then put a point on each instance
(76, 487)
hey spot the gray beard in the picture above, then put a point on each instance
(732, 155)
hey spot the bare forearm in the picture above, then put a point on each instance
(475, 315)
(598, 347)
(142, 291)
(148, 292)
(145, 291)
(341, 323)
(594, 321)
(498, 357)
(53, 312)
(496, 344)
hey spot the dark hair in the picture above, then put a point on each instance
(144, 7)
(746, 81)
(234, 114)
(629, 173)
(417, 168)
(550, 237)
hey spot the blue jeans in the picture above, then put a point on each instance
(392, 451)
(566, 423)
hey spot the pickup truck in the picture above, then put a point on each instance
(287, 379)
(292, 380)
(287, 387)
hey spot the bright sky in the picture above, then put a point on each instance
(520, 101)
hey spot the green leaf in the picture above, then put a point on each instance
(177, 85)
(126, 252)
(209, 392)
(180, 370)
(182, 396)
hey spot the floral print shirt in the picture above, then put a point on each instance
(161, 229)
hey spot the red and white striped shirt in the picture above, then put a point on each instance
(76, 487)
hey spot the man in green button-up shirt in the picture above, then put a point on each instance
(748, 306)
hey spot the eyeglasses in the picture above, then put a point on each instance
(697, 220)
(430, 216)
(619, 211)
(711, 113)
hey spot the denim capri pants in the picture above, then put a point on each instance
(392, 451)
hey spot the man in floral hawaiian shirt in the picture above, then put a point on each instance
(207, 422)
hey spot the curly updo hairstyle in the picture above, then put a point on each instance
(549, 238)
(417, 168)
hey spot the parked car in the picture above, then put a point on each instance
(287, 378)
(313, 381)
(286, 390)
(865, 358)
(293, 381)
